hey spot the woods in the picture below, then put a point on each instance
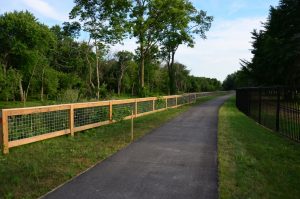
(275, 49)
(54, 63)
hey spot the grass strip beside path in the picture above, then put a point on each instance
(255, 162)
(32, 170)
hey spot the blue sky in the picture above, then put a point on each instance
(228, 40)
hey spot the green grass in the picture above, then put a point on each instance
(32, 170)
(255, 162)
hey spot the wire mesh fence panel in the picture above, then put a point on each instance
(145, 106)
(180, 100)
(186, 99)
(198, 95)
(26, 126)
(171, 102)
(120, 111)
(160, 104)
(192, 98)
(90, 115)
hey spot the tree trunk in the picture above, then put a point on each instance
(120, 83)
(119, 86)
(98, 83)
(142, 63)
(5, 64)
(142, 72)
(172, 80)
(21, 90)
(122, 71)
(42, 93)
(132, 89)
(90, 65)
(42, 87)
(28, 86)
(98, 74)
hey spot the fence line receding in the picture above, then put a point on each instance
(26, 125)
(277, 108)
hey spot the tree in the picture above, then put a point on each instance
(184, 22)
(181, 77)
(276, 48)
(76, 59)
(147, 19)
(41, 63)
(9, 84)
(25, 44)
(230, 82)
(123, 57)
(105, 22)
(236, 80)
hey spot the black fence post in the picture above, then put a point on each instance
(249, 102)
(237, 98)
(277, 109)
(259, 106)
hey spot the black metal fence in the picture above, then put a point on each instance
(277, 108)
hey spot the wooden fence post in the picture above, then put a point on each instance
(110, 110)
(153, 105)
(5, 133)
(166, 102)
(131, 125)
(136, 107)
(176, 100)
(71, 115)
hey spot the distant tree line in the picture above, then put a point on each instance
(275, 49)
(48, 63)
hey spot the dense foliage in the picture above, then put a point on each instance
(38, 62)
(276, 51)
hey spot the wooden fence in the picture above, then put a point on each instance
(26, 125)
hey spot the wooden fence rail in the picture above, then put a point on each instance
(21, 126)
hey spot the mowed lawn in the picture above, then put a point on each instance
(255, 162)
(32, 170)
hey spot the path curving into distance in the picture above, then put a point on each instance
(175, 161)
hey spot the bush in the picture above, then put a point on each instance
(68, 96)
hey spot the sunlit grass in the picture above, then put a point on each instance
(253, 161)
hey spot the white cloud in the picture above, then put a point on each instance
(219, 55)
(45, 9)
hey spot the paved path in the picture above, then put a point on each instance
(177, 160)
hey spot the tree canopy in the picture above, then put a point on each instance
(38, 62)
(275, 49)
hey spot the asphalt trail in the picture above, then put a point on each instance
(177, 160)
